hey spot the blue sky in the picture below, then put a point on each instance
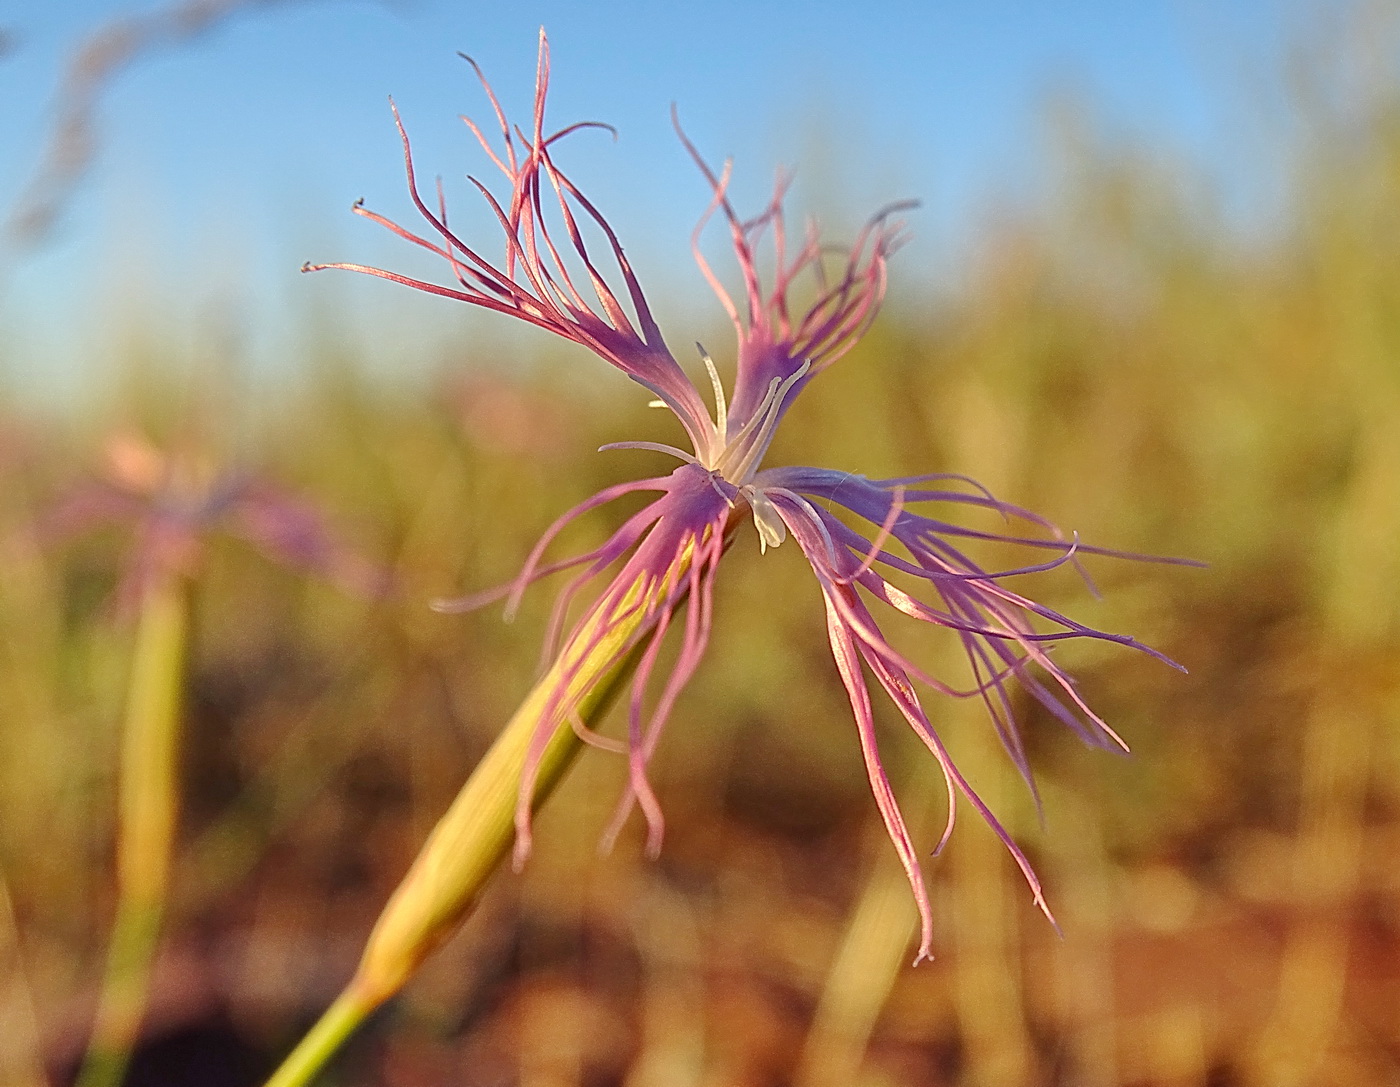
(225, 162)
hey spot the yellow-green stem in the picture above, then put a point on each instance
(148, 804)
(472, 838)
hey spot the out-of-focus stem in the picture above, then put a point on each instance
(1084, 995)
(21, 1059)
(670, 943)
(987, 968)
(148, 804)
(1340, 731)
(470, 841)
(873, 950)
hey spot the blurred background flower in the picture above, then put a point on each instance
(171, 503)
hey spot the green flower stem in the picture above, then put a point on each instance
(323, 1041)
(472, 838)
(148, 805)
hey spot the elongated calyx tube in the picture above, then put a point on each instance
(472, 839)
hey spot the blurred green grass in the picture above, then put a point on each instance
(1118, 361)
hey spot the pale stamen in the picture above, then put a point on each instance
(755, 421)
(754, 439)
(721, 407)
(655, 447)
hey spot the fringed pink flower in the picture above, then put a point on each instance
(669, 552)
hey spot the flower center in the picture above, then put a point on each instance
(736, 457)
